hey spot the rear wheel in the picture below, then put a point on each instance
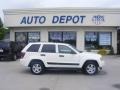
(14, 57)
(90, 68)
(37, 68)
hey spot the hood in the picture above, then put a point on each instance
(91, 54)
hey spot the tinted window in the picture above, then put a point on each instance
(65, 37)
(34, 48)
(98, 40)
(48, 48)
(26, 37)
(4, 45)
(65, 49)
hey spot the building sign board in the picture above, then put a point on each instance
(62, 20)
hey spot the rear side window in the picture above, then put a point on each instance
(34, 48)
(48, 48)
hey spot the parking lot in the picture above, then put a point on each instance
(14, 76)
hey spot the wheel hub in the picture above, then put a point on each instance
(91, 68)
(36, 68)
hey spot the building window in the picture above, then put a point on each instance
(55, 36)
(98, 40)
(33, 37)
(26, 37)
(21, 37)
(64, 37)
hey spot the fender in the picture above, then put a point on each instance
(89, 61)
(35, 60)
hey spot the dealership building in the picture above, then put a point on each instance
(84, 28)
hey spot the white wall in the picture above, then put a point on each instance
(105, 17)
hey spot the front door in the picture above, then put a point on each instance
(67, 57)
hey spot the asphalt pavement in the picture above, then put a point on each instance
(14, 76)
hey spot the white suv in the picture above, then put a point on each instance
(45, 55)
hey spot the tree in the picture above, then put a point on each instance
(1, 24)
(3, 30)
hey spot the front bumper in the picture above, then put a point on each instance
(101, 65)
(99, 68)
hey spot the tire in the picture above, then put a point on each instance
(90, 68)
(37, 68)
(14, 57)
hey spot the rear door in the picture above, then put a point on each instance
(48, 54)
(32, 52)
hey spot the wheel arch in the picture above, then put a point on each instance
(35, 60)
(90, 61)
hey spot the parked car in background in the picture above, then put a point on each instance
(9, 50)
(45, 55)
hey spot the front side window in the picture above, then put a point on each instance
(34, 48)
(48, 48)
(65, 49)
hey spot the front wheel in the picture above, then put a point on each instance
(90, 68)
(37, 68)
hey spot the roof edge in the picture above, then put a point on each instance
(60, 9)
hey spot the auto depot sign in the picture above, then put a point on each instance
(54, 19)
(77, 19)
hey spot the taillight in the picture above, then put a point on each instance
(22, 54)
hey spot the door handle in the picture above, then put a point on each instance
(61, 55)
(42, 54)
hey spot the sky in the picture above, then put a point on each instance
(22, 4)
